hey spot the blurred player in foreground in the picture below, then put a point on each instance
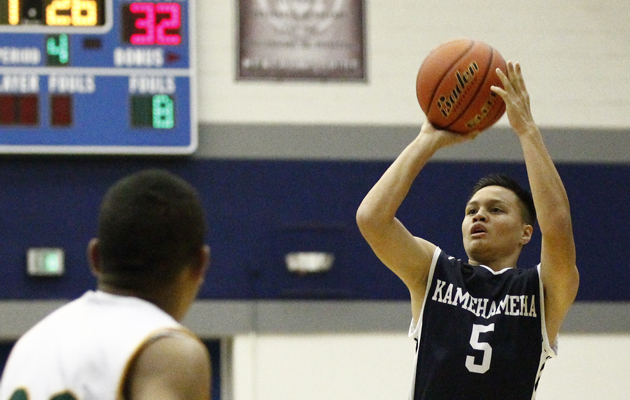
(124, 341)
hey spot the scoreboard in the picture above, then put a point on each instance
(97, 76)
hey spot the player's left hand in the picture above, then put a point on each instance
(514, 94)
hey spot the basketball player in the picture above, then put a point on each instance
(124, 340)
(483, 327)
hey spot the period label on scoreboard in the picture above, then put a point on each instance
(97, 76)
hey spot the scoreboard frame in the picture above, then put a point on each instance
(128, 86)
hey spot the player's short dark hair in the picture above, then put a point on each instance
(506, 181)
(151, 225)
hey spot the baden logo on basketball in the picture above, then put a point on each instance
(446, 104)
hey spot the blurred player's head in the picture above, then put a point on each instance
(151, 227)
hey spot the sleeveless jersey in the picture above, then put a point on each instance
(82, 350)
(481, 334)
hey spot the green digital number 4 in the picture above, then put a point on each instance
(58, 49)
(21, 394)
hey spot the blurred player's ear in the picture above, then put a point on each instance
(94, 257)
(203, 262)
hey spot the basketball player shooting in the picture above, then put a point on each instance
(484, 328)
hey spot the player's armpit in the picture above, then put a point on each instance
(170, 368)
(407, 256)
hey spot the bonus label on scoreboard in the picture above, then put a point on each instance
(97, 76)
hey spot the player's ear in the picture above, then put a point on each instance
(528, 231)
(94, 256)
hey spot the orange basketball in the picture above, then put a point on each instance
(453, 86)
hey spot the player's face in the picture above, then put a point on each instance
(493, 228)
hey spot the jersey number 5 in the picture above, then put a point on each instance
(483, 346)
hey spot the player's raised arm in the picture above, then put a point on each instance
(558, 259)
(407, 256)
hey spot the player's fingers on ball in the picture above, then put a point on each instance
(504, 79)
(498, 90)
(502, 76)
(500, 73)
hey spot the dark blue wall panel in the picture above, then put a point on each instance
(260, 210)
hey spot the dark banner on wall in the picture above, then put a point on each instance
(301, 39)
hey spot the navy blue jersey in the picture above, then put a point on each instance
(481, 334)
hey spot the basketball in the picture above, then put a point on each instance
(453, 86)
